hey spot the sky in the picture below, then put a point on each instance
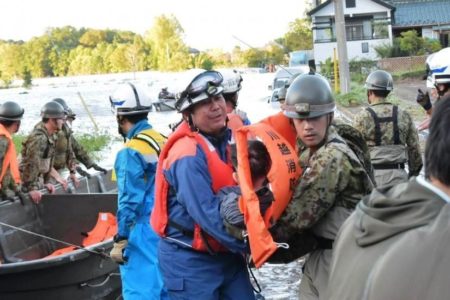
(207, 24)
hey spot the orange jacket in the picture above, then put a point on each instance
(10, 158)
(221, 174)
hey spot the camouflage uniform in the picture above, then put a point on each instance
(390, 152)
(68, 149)
(331, 185)
(9, 187)
(37, 157)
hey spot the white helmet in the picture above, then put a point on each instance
(130, 99)
(201, 87)
(231, 81)
(439, 64)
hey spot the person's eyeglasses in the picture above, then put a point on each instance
(207, 82)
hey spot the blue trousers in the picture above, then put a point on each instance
(141, 278)
(190, 274)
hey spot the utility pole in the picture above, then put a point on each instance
(344, 73)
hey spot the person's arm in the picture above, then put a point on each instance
(131, 186)
(31, 160)
(412, 141)
(192, 182)
(316, 192)
(80, 153)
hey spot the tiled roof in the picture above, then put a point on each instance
(421, 12)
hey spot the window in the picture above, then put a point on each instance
(358, 29)
(325, 31)
(365, 47)
(350, 3)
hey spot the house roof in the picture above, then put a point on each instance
(319, 7)
(421, 12)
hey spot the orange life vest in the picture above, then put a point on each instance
(10, 158)
(221, 175)
(105, 228)
(282, 176)
(234, 122)
(282, 124)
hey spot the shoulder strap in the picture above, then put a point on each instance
(149, 140)
(377, 120)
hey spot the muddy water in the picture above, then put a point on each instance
(276, 281)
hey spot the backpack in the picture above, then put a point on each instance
(357, 144)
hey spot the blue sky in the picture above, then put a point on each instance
(207, 23)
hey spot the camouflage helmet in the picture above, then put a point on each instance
(67, 110)
(11, 111)
(282, 91)
(52, 110)
(379, 80)
(309, 96)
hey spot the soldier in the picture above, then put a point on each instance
(39, 149)
(231, 86)
(389, 132)
(68, 150)
(332, 183)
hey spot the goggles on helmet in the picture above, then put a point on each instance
(208, 82)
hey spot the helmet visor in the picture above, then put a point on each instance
(204, 82)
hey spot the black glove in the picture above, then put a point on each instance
(98, 168)
(83, 172)
(423, 100)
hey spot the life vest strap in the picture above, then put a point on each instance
(377, 120)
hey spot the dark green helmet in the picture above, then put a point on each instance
(52, 110)
(379, 80)
(67, 110)
(282, 91)
(309, 96)
(11, 111)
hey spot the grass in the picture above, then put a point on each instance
(357, 96)
(93, 144)
(415, 73)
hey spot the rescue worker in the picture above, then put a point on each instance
(232, 84)
(438, 76)
(198, 259)
(38, 151)
(68, 150)
(417, 266)
(10, 118)
(332, 183)
(135, 245)
(390, 133)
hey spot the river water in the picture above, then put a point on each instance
(276, 281)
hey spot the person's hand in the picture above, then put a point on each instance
(36, 196)
(50, 188)
(424, 100)
(83, 172)
(117, 251)
(74, 179)
(98, 168)
(63, 182)
(424, 124)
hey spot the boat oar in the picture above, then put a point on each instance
(102, 254)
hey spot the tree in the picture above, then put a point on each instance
(169, 53)
(27, 79)
(299, 36)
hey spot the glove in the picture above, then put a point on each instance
(424, 100)
(98, 168)
(117, 251)
(83, 172)
(230, 212)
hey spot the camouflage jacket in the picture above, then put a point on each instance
(333, 180)
(68, 150)
(408, 136)
(9, 187)
(38, 151)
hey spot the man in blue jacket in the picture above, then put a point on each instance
(136, 243)
(198, 259)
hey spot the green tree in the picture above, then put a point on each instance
(27, 79)
(169, 52)
(411, 43)
(299, 36)
(92, 37)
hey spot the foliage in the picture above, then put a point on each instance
(356, 96)
(409, 44)
(416, 73)
(26, 75)
(91, 143)
(299, 36)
